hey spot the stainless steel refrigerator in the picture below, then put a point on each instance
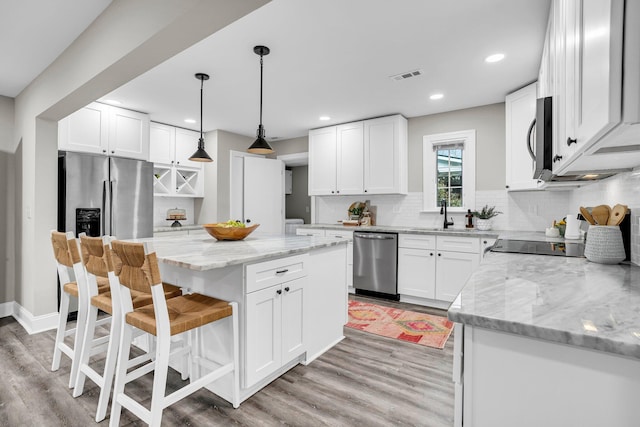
(102, 195)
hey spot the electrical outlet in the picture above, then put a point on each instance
(307, 209)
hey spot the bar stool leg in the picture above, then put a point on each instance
(121, 374)
(85, 352)
(62, 325)
(109, 368)
(163, 349)
(81, 325)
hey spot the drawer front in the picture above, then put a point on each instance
(309, 232)
(339, 233)
(458, 244)
(416, 241)
(264, 274)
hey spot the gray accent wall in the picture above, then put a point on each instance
(489, 123)
(298, 203)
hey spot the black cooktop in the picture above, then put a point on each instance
(572, 249)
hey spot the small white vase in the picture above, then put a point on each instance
(483, 224)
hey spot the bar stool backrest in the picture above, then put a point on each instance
(93, 255)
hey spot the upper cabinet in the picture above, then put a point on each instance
(104, 129)
(365, 157)
(174, 174)
(520, 110)
(173, 146)
(594, 81)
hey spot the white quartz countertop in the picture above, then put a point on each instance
(182, 227)
(406, 229)
(560, 299)
(206, 253)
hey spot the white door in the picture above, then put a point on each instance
(322, 161)
(264, 194)
(293, 327)
(186, 145)
(452, 272)
(349, 175)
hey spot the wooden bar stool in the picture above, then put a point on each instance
(135, 269)
(94, 260)
(72, 284)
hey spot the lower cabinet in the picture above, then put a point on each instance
(274, 316)
(435, 267)
(344, 234)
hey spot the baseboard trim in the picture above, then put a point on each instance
(34, 324)
(6, 309)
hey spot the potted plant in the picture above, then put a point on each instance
(484, 216)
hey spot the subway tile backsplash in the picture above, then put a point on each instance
(162, 204)
(524, 211)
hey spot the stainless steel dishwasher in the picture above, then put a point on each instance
(375, 264)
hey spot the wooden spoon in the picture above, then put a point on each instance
(617, 215)
(601, 214)
(587, 216)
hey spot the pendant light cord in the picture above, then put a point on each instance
(261, 90)
(201, 90)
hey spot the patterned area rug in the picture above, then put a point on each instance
(419, 328)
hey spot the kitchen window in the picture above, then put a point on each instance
(449, 161)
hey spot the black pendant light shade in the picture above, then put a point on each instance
(260, 145)
(201, 155)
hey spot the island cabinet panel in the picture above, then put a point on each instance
(275, 332)
(512, 380)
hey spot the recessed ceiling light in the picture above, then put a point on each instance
(436, 96)
(112, 102)
(189, 121)
(324, 118)
(495, 57)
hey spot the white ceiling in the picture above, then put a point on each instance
(35, 32)
(335, 57)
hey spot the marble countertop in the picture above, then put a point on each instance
(206, 253)
(560, 299)
(406, 229)
(182, 227)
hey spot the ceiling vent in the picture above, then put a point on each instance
(407, 75)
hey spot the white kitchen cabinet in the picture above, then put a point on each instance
(322, 161)
(435, 267)
(103, 129)
(385, 155)
(175, 181)
(520, 109)
(275, 326)
(458, 258)
(365, 157)
(349, 155)
(170, 145)
(594, 125)
(417, 265)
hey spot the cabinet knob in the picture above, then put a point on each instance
(557, 158)
(113, 152)
(338, 191)
(248, 221)
(365, 191)
(439, 254)
(571, 141)
(332, 191)
(430, 253)
(286, 289)
(279, 291)
(104, 151)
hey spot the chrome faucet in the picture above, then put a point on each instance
(443, 211)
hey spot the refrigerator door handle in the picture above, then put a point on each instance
(103, 228)
(112, 224)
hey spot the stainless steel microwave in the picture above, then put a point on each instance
(543, 156)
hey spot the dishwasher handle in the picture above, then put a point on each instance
(374, 236)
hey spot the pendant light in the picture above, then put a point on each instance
(260, 145)
(200, 155)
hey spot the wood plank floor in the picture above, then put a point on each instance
(366, 380)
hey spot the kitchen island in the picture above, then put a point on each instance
(291, 294)
(547, 340)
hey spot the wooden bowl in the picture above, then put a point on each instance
(229, 233)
